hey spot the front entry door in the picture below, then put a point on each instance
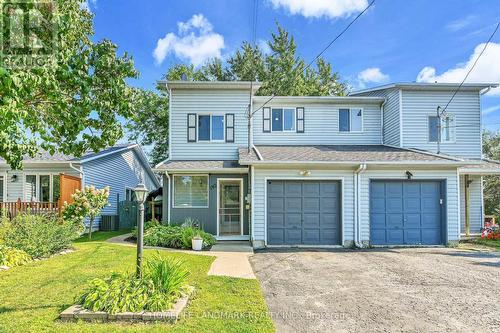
(230, 207)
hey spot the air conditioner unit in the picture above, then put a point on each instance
(109, 223)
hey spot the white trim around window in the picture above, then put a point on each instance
(190, 175)
(350, 120)
(4, 186)
(210, 127)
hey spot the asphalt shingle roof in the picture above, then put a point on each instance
(337, 153)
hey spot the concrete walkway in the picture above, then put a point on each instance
(231, 257)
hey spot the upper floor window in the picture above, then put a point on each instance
(351, 120)
(210, 127)
(446, 127)
(283, 120)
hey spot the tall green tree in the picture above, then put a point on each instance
(74, 102)
(491, 150)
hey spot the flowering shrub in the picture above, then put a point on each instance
(86, 204)
(490, 231)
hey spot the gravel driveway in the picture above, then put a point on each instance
(390, 290)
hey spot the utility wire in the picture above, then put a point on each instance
(321, 53)
(473, 65)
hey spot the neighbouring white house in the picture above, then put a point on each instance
(377, 167)
(46, 181)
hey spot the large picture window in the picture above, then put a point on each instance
(283, 120)
(190, 191)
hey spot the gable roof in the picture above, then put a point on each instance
(341, 154)
(428, 86)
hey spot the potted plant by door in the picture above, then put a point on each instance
(197, 243)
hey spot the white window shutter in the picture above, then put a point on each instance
(266, 126)
(300, 120)
(229, 127)
(191, 127)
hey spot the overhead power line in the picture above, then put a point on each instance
(472, 67)
(322, 51)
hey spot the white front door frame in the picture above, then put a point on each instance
(241, 236)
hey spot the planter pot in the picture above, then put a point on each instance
(197, 244)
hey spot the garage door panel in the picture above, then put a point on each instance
(377, 221)
(329, 220)
(412, 213)
(293, 189)
(311, 204)
(394, 221)
(293, 220)
(394, 189)
(310, 189)
(412, 236)
(304, 212)
(394, 236)
(378, 205)
(276, 205)
(411, 205)
(329, 189)
(276, 236)
(412, 221)
(275, 189)
(293, 205)
(310, 236)
(276, 220)
(394, 205)
(293, 236)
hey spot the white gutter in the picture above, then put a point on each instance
(168, 197)
(357, 219)
(414, 162)
(485, 91)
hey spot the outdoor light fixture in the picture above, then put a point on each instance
(409, 175)
(13, 179)
(140, 194)
(305, 172)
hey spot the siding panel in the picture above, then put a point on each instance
(465, 107)
(207, 102)
(475, 204)
(322, 126)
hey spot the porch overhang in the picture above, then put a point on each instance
(190, 167)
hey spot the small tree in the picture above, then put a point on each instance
(86, 204)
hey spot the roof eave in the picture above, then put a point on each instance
(351, 163)
(236, 85)
(427, 86)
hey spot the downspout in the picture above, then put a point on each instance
(168, 196)
(80, 172)
(357, 191)
(466, 203)
(250, 110)
(382, 124)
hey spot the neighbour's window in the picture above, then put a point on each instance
(1, 188)
(30, 188)
(350, 120)
(56, 187)
(283, 120)
(447, 129)
(129, 194)
(44, 195)
(210, 128)
(190, 191)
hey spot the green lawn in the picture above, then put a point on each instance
(487, 242)
(99, 236)
(32, 296)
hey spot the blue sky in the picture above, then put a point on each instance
(394, 41)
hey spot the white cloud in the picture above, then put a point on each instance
(460, 24)
(264, 46)
(321, 8)
(371, 75)
(196, 42)
(487, 69)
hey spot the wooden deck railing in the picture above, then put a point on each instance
(14, 208)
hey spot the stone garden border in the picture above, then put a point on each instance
(77, 312)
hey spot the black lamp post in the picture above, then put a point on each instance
(140, 196)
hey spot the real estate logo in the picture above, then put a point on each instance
(28, 35)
